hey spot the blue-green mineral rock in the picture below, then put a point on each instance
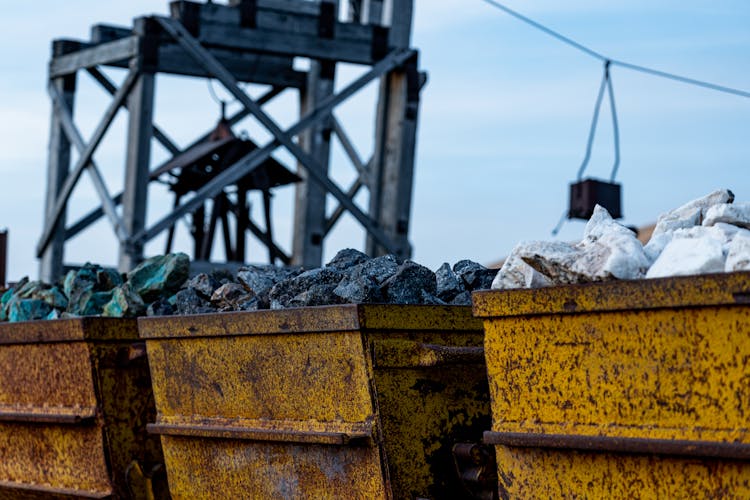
(28, 310)
(125, 303)
(159, 277)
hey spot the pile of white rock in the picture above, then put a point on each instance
(707, 235)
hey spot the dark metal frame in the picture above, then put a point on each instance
(189, 43)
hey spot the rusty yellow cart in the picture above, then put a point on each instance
(634, 389)
(322, 402)
(75, 399)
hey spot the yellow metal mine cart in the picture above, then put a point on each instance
(635, 389)
(75, 399)
(351, 402)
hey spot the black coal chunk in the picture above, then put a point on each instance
(204, 284)
(346, 259)
(314, 287)
(234, 297)
(431, 300)
(408, 283)
(363, 282)
(474, 276)
(359, 290)
(260, 279)
(187, 301)
(462, 299)
(161, 307)
(448, 284)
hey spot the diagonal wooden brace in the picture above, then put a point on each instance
(97, 213)
(255, 158)
(203, 57)
(84, 160)
(74, 135)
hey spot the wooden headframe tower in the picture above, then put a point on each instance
(253, 41)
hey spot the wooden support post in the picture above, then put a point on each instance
(208, 241)
(173, 227)
(402, 12)
(366, 11)
(226, 231)
(140, 132)
(198, 231)
(242, 216)
(269, 225)
(310, 203)
(58, 167)
(392, 169)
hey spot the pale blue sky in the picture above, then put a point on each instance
(504, 119)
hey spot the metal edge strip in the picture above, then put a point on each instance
(265, 435)
(675, 447)
(69, 417)
(49, 489)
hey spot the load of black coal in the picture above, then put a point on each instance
(351, 277)
(160, 286)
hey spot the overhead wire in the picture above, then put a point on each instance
(615, 62)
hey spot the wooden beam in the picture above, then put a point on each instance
(138, 156)
(58, 164)
(263, 236)
(310, 196)
(369, 12)
(246, 67)
(350, 150)
(107, 50)
(402, 12)
(393, 163)
(284, 6)
(287, 32)
(137, 164)
(340, 210)
(274, 42)
(90, 56)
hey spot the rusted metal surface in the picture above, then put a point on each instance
(655, 369)
(75, 399)
(323, 402)
(547, 473)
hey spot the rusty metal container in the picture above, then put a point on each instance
(635, 389)
(321, 402)
(75, 399)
